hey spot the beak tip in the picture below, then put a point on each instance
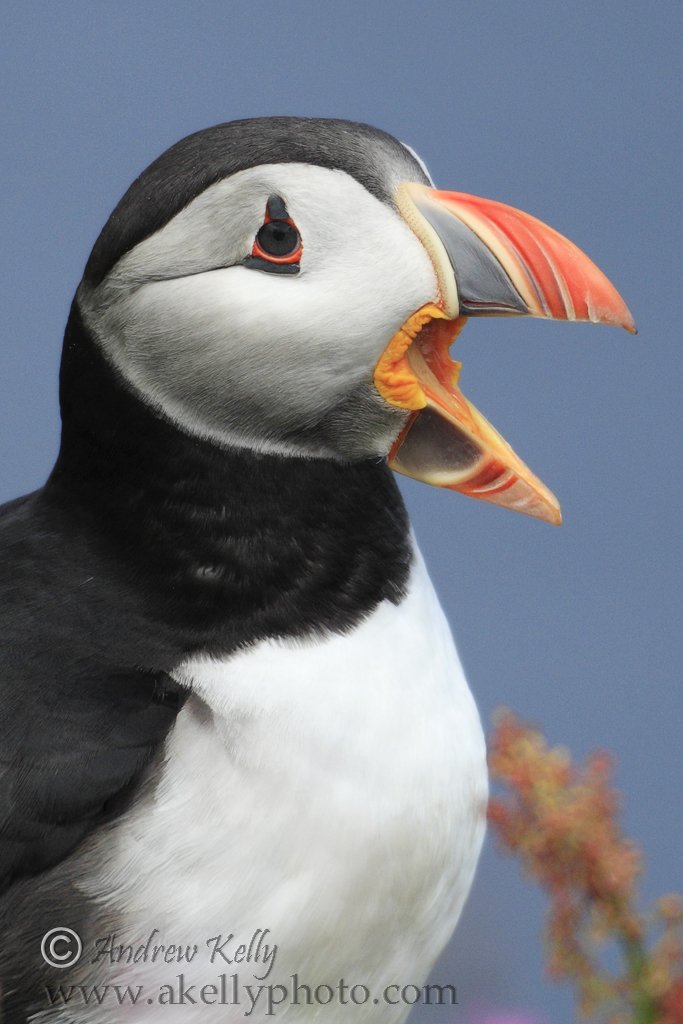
(551, 514)
(627, 322)
(621, 315)
(613, 311)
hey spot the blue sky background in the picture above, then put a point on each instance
(570, 111)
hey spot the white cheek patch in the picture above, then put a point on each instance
(250, 356)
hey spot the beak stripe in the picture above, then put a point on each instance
(565, 294)
(502, 484)
(506, 261)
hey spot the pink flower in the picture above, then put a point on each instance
(562, 822)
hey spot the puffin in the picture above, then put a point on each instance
(241, 769)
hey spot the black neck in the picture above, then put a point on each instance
(226, 543)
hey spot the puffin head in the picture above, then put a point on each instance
(293, 285)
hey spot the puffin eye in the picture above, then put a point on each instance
(277, 247)
(278, 238)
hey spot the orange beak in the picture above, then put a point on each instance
(490, 260)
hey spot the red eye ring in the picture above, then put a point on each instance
(278, 241)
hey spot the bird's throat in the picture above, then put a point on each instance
(236, 541)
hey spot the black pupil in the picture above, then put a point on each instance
(278, 238)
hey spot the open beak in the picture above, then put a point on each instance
(490, 260)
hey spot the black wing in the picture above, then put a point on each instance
(81, 713)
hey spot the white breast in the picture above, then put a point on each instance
(332, 792)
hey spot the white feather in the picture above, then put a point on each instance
(332, 792)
